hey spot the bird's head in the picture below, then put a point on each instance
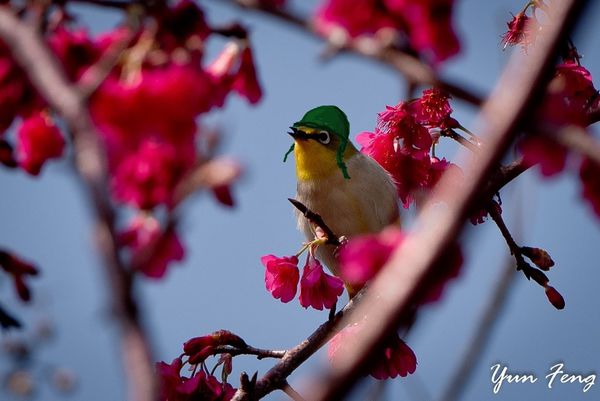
(321, 143)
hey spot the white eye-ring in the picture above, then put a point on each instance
(324, 137)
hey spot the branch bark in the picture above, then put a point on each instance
(28, 48)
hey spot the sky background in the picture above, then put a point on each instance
(221, 283)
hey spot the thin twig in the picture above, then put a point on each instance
(449, 133)
(46, 75)
(514, 248)
(317, 220)
(395, 288)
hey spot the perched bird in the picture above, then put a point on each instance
(352, 192)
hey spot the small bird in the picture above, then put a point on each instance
(349, 190)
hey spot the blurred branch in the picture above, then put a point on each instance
(395, 288)
(414, 70)
(28, 48)
(579, 140)
(483, 331)
(293, 394)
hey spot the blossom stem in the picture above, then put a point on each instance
(514, 248)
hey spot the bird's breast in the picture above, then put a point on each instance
(365, 203)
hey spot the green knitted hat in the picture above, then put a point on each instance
(332, 119)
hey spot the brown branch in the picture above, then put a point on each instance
(46, 75)
(317, 220)
(248, 350)
(414, 70)
(514, 248)
(449, 133)
(396, 287)
(276, 377)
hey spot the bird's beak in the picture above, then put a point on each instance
(298, 135)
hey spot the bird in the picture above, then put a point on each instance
(352, 193)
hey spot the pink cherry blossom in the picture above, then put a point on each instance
(317, 288)
(148, 177)
(519, 31)
(152, 249)
(363, 257)
(246, 82)
(201, 386)
(396, 359)
(281, 276)
(38, 140)
(589, 174)
(433, 109)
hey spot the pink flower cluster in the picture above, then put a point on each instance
(570, 97)
(426, 24)
(317, 288)
(396, 359)
(402, 142)
(146, 111)
(199, 386)
(38, 139)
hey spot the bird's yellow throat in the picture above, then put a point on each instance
(316, 161)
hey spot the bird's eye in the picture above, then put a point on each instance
(324, 137)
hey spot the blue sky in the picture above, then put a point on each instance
(220, 285)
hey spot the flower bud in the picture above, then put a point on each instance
(554, 297)
(536, 275)
(539, 257)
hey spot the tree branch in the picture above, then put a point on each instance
(317, 220)
(248, 350)
(276, 377)
(46, 75)
(393, 290)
